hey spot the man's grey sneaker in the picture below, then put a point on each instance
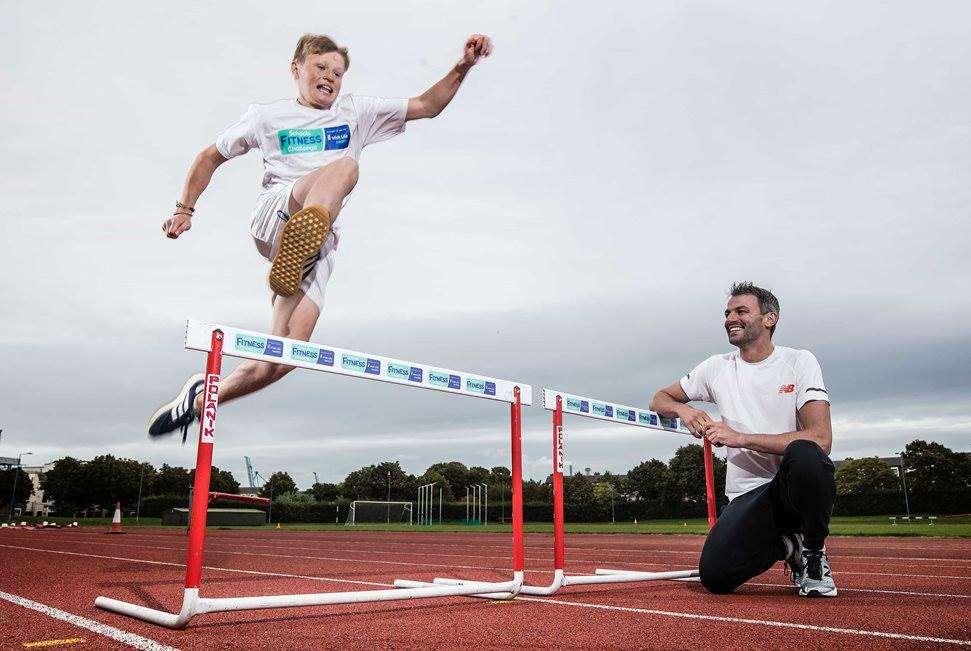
(178, 413)
(818, 580)
(795, 564)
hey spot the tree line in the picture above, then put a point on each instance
(76, 486)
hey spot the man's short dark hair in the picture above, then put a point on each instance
(767, 300)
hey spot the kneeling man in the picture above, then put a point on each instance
(776, 426)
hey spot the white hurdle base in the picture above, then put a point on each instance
(690, 575)
(560, 580)
(193, 605)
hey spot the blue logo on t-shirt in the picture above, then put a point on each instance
(337, 137)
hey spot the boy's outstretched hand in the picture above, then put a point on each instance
(476, 47)
(176, 225)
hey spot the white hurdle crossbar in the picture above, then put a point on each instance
(560, 402)
(219, 341)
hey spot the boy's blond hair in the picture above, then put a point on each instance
(319, 44)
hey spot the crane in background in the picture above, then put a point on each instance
(253, 475)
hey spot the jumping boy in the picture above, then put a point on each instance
(310, 145)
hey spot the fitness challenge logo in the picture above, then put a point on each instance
(475, 385)
(300, 141)
(404, 373)
(209, 402)
(258, 345)
(444, 380)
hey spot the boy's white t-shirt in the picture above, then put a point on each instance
(295, 139)
(759, 398)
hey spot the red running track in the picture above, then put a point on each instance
(894, 592)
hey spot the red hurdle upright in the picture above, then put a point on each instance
(611, 412)
(217, 341)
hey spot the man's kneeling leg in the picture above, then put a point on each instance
(743, 543)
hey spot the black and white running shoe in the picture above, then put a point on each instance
(818, 579)
(178, 413)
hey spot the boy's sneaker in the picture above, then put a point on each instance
(179, 412)
(818, 579)
(795, 564)
(303, 235)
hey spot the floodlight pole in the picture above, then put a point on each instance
(903, 478)
(389, 497)
(485, 509)
(138, 505)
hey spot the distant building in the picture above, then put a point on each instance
(35, 503)
(253, 491)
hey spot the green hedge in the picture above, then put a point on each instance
(889, 503)
(892, 503)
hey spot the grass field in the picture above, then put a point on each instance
(951, 526)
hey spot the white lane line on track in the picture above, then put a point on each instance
(215, 546)
(757, 622)
(211, 549)
(205, 567)
(843, 588)
(116, 634)
(569, 549)
(383, 585)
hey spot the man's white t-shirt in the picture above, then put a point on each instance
(295, 139)
(759, 398)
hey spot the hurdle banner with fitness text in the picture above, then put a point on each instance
(611, 411)
(279, 350)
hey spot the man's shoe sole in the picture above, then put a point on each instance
(172, 403)
(302, 237)
(812, 594)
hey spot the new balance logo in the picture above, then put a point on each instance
(787, 388)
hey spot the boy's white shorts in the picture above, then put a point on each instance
(266, 228)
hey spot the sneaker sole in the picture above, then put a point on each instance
(812, 594)
(171, 403)
(302, 237)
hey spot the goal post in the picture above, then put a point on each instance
(219, 341)
(376, 512)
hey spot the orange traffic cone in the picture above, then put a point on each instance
(116, 520)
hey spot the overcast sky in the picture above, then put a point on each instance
(574, 219)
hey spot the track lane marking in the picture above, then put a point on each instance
(124, 637)
(645, 550)
(684, 615)
(466, 567)
(212, 548)
(46, 643)
(286, 575)
(758, 622)
(213, 541)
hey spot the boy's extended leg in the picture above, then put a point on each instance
(294, 316)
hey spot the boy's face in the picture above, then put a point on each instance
(319, 78)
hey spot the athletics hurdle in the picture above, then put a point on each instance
(219, 341)
(559, 402)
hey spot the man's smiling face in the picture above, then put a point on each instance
(744, 321)
(319, 78)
